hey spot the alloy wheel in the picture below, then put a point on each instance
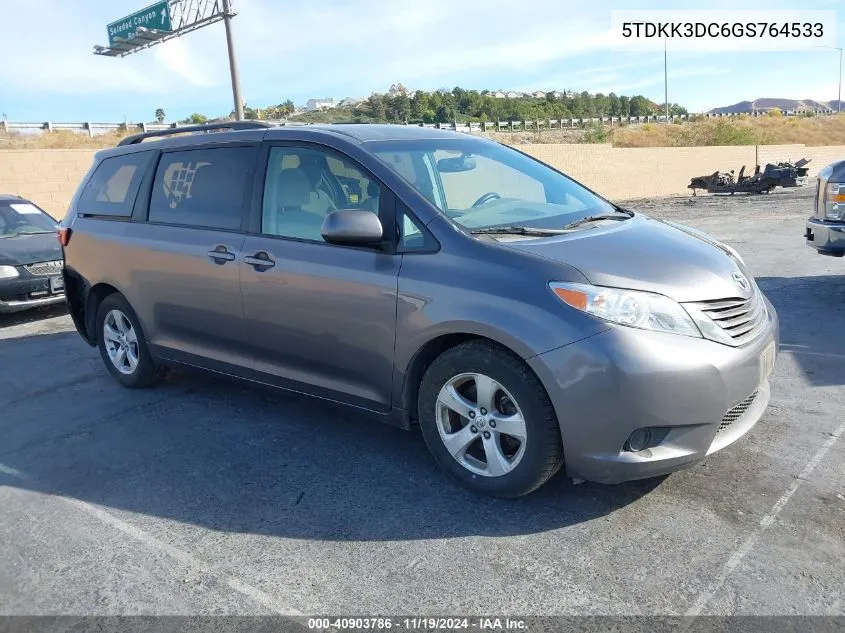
(121, 342)
(481, 424)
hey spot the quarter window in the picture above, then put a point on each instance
(410, 234)
(112, 188)
(202, 187)
(304, 185)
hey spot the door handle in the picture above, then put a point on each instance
(220, 255)
(260, 261)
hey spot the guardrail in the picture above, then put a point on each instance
(92, 128)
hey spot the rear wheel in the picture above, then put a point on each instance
(122, 344)
(488, 421)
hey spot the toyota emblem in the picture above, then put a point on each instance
(740, 280)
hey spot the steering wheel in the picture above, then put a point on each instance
(487, 197)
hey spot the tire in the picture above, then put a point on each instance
(143, 372)
(474, 368)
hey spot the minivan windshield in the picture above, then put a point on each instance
(481, 184)
(21, 218)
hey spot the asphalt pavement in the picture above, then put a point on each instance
(203, 496)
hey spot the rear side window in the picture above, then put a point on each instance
(201, 187)
(112, 188)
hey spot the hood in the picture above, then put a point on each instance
(646, 254)
(29, 249)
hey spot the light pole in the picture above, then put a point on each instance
(839, 97)
(666, 79)
(233, 65)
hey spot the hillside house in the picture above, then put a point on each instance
(319, 104)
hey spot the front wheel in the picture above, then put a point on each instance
(488, 421)
(122, 344)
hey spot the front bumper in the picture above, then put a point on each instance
(26, 292)
(606, 386)
(828, 238)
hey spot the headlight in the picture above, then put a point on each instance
(643, 310)
(7, 272)
(834, 201)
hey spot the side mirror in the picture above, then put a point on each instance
(352, 227)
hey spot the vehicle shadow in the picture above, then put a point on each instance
(216, 454)
(811, 312)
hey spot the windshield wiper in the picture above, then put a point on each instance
(529, 230)
(517, 230)
(596, 218)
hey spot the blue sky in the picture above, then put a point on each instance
(315, 48)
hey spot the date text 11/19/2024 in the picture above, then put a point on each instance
(417, 623)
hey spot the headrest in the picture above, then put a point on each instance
(294, 189)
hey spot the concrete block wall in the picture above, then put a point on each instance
(49, 177)
(623, 173)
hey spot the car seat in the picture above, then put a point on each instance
(289, 218)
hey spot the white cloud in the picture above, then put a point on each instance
(657, 78)
(185, 64)
(310, 48)
(316, 46)
(56, 57)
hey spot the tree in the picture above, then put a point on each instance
(402, 107)
(445, 113)
(160, 115)
(445, 105)
(624, 106)
(675, 109)
(376, 102)
(195, 119)
(613, 102)
(640, 106)
(419, 104)
(602, 105)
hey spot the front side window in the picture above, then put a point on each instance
(201, 187)
(480, 184)
(304, 185)
(112, 188)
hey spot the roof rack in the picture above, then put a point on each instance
(230, 125)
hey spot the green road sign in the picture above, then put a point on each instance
(156, 16)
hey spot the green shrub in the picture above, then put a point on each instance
(595, 132)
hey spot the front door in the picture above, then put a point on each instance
(320, 318)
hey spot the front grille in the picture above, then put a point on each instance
(740, 319)
(45, 268)
(736, 413)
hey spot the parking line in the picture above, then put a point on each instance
(233, 582)
(798, 351)
(748, 544)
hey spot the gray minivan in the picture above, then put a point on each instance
(428, 277)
